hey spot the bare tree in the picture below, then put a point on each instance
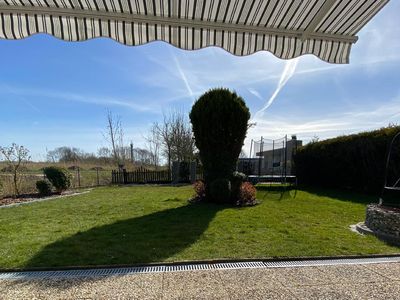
(66, 154)
(154, 145)
(16, 158)
(176, 137)
(115, 137)
(163, 132)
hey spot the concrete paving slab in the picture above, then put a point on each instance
(326, 292)
(140, 286)
(302, 276)
(368, 281)
(194, 285)
(254, 284)
(391, 270)
(378, 290)
(346, 274)
(260, 278)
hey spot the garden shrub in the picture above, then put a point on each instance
(220, 190)
(247, 194)
(200, 190)
(237, 179)
(219, 120)
(44, 187)
(355, 161)
(60, 178)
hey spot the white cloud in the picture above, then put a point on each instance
(288, 72)
(327, 126)
(138, 105)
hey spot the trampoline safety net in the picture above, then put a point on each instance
(271, 160)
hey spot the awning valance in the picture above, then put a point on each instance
(286, 28)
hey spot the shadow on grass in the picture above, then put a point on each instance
(277, 192)
(146, 239)
(341, 194)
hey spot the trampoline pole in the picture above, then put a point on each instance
(259, 160)
(285, 157)
(250, 169)
(273, 158)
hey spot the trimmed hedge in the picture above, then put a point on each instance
(352, 162)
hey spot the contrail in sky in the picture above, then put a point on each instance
(182, 75)
(288, 72)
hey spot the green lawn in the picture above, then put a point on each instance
(131, 225)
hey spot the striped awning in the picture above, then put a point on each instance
(286, 28)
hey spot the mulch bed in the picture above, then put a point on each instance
(31, 197)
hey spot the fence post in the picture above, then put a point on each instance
(175, 172)
(97, 175)
(124, 175)
(193, 167)
(79, 177)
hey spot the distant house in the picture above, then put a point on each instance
(271, 161)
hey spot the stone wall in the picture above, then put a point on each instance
(384, 221)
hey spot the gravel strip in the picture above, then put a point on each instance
(379, 281)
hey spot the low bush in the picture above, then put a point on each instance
(236, 181)
(247, 195)
(200, 190)
(44, 188)
(60, 178)
(220, 190)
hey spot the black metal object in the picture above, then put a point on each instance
(391, 191)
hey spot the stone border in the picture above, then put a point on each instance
(364, 229)
(382, 222)
(45, 199)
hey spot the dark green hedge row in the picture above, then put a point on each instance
(355, 161)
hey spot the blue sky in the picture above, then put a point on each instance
(54, 93)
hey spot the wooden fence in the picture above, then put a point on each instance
(141, 176)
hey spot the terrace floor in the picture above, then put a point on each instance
(359, 281)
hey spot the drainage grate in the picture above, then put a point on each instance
(194, 267)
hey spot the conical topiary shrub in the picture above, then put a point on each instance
(220, 120)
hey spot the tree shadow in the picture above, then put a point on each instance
(146, 239)
(341, 194)
(277, 192)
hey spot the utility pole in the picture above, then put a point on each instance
(132, 152)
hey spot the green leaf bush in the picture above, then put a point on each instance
(237, 179)
(355, 161)
(219, 120)
(44, 188)
(220, 190)
(60, 178)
